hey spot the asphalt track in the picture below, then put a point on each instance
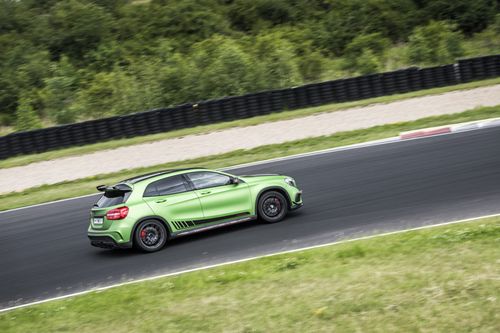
(44, 251)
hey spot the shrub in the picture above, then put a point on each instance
(26, 117)
(435, 43)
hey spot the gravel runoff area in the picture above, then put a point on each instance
(193, 146)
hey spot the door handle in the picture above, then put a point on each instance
(205, 192)
(160, 200)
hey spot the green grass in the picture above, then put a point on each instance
(84, 186)
(443, 279)
(26, 159)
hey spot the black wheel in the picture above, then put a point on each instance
(150, 236)
(272, 207)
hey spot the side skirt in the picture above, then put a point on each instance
(210, 227)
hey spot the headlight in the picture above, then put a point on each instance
(290, 181)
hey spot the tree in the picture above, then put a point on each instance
(350, 18)
(435, 43)
(260, 14)
(13, 16)
(469, 16)
(188, 21)
(76, 28)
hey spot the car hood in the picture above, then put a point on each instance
(259, 177)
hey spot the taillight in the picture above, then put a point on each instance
(117, 213)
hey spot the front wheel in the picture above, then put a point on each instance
(150, 236)
(272, 207)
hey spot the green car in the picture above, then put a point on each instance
(148, 210)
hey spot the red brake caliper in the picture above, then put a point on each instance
(143, 233)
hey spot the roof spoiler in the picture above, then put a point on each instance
(101, 188)
(115, 188)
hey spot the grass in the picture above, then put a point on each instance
(87, 185)
(443, 279)
(26, 159)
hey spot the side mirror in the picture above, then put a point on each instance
(235, 180)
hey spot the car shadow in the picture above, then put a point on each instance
(225, 230)
(240, 227)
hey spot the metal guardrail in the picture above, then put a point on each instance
(246, 106)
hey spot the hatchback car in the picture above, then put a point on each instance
(148, 210)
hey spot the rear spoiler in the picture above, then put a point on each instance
(116, 189)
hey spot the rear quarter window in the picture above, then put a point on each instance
(166, 186)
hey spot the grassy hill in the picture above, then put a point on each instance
(67, 61)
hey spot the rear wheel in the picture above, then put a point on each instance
(272, 207)
(150, 236)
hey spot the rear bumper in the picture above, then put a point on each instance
(107, 242)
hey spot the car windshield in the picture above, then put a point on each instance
(113, 198)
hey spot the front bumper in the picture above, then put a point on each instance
(297, 201)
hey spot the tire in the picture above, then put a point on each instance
(272, 207)
(150, 236)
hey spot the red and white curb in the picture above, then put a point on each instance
(460, 127)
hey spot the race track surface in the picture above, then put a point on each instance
(44, 251)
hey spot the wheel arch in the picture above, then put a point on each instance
(151, 217)
(273, 188)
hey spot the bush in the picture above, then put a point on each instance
(277, 61)
(112, 94)
(364, 53)
(435, 43)
(368, 63)
(26, 117)
(59, 92)
(311, 66)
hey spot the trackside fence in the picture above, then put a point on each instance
(250, 105)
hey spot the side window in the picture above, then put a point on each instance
(170, 185)
(204, 179)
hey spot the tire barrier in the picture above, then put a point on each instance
(246, 106)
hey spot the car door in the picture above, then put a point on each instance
(173, 199)
(219, 197)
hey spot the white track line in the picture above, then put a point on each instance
(48, 203)
(244, 260)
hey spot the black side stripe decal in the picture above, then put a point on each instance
(192, 223)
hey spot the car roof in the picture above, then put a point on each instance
(139, 178)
